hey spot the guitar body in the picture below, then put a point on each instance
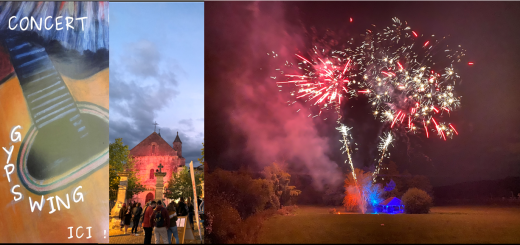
(85, 181)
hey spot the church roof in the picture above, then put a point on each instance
(177, 139)
(144, 147)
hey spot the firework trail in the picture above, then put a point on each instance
(344, 130)
(383, 146)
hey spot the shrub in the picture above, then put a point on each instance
(416, 201)
(224, 222)
(245, 194)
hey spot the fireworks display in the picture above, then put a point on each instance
(409, 83)
(346, 137)
(345, 142)
(386, 140)
(409, 79)
(324, 78)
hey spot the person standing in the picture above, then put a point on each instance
(147, 225)
(142, 215)
(182, 209)
(122, 212)
(191, 213)
(172, 230)
(201, 212)
(136, 216)
(160, 220)
(128, 218)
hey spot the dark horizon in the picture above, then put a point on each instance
(237, 85)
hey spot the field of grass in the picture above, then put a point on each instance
(477, 224)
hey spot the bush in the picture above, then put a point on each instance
(224, 222)
(238, 204)
(416, 201)
(245, 194)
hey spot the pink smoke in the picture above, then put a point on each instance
(274, 130)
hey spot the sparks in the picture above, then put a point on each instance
(393, 70)
(451, 126)
(404, 85)
(324, 75)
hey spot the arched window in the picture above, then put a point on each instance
(151, 173)
(153, 149)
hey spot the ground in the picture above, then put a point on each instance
(477, 224)
(119, 237)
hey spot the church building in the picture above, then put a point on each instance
(152, 154)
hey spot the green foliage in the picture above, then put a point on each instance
(387, 173)
(233, 229)
(119, 161)
(403, 181)
(180, 185)
(282, 193)
(227, 219)
(201, 160)
(420, 182)
(334, 195)
(241, 203)
(416, 201)
(247, 195)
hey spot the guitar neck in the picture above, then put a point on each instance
(48, 98)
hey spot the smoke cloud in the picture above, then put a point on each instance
(273, 130)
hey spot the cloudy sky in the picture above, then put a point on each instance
(157, 73)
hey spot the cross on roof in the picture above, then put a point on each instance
(155, 126)
(160, 167)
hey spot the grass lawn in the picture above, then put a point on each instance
(477, 224)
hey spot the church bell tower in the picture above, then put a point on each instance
(177, 145)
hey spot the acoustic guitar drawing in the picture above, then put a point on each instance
(67, 139)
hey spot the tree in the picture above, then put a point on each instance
(416, 201)
(389, 173)
(245, 194)
(280, 182)
(180, 184)
(201, 160)
(119, 161)
(361, 193)
(420, 182)
(334, 194)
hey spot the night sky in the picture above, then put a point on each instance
(247, 121)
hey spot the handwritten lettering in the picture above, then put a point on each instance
(30, 23)
(56, 203)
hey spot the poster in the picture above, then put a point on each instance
(54, 80)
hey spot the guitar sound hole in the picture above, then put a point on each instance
(58, 149)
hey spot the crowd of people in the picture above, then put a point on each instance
(158, 219)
